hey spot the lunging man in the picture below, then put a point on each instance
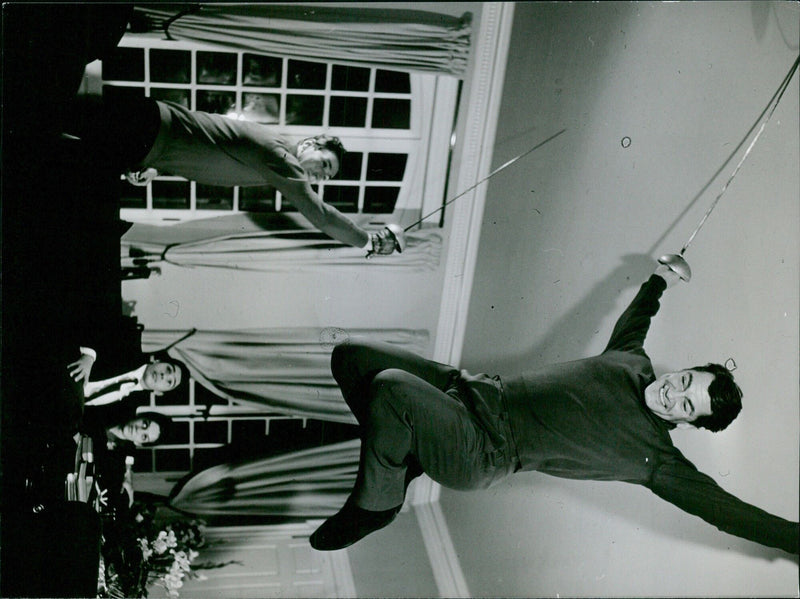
(607, 417)
(146, 137)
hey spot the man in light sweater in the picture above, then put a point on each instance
(606, 417)
(145, 138)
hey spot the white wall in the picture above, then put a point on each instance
(568, 236)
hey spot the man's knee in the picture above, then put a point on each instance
(343, 359)
(388, 389)
(349, 357)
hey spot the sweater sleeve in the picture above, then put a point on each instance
(323, 216)
(632, 326)
(680, 483)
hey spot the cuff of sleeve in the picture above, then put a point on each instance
(88, 351)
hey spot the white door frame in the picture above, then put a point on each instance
(480, 114)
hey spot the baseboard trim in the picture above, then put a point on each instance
(444, 561)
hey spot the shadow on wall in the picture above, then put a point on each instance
(587, 316)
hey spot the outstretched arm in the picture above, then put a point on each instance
(323, 216)
(330, 221)
(681, 484)
(631, 329)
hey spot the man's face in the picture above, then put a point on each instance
(680, 397)
(161, 377)
(319, 164)
(141, 431)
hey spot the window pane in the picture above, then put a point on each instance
(285, 431)
(131, 196)
(171, 194)
(307, 75)
(172, 66)
(304, 110)
(216, 102)
(348, 112)
(386, 167)
(247, 430)
(389, 113)
(351, 166)
(395, 82)
(261, 108)
(212, 197)
(264, 71)
(205, 458)
(343, 197)
(113, 93)
(178, 397)
(143, 460)
(203, 396)
(380, 200)
(257, 199)
(216, 67)
(178, 434)
(126, 64)
(179, 96)
(351, 79)
(172, 459)
(211, 432)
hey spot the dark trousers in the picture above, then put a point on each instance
(415, 411)
(117, 132)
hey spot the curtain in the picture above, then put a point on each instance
(288, 252)
(310, 483)
(399, 39)
(283, 370)
(275, 251)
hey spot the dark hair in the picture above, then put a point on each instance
(334, 144)
(163, 421)
(165, 357)
(726, 398)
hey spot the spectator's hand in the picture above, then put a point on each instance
(142, 177)
(102, 497)
(81, 368)
(127, 486)
(388, 240)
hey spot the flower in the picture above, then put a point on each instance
(146, 550)
(138, 553)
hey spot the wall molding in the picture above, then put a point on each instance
(441, 553)
(480, 114)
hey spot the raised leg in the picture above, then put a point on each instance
(354, 366)
(409, 425)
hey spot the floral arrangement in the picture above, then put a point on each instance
(137, 553)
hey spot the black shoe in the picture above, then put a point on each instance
(349, 525)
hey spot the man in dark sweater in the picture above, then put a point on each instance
(601, 418)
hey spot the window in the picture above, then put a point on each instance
(203, 423)
(385, 119)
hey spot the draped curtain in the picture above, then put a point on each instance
(399, 39)
(284, 370)
(288, 252)
(310, 483)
